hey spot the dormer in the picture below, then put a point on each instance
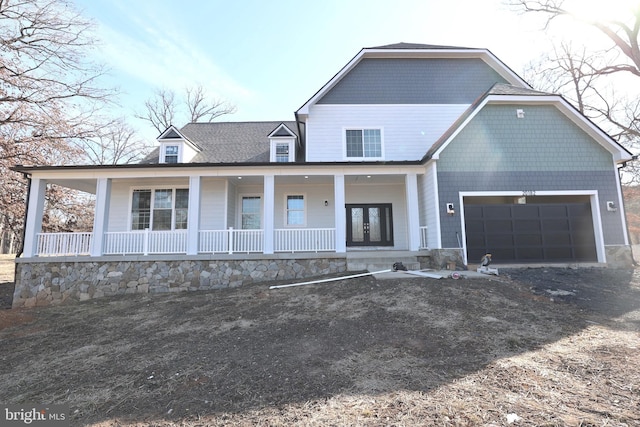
(283, 145)
(175, 147)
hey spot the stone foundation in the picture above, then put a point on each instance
(619, 256)
(45, 282)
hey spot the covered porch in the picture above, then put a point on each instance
(265, 212)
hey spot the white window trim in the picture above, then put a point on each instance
(282, 140)
(239, 209)
(163, 150)
(304, 210)
(344, 143)
(153, 188)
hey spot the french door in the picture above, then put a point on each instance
(369, 225)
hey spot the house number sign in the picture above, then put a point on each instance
(528, 193)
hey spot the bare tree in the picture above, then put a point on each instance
(49, 93)
(595, 81)
(160, 109)
(116, 143)
(203, 110)
(163, 109)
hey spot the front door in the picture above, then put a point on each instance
(369, 225)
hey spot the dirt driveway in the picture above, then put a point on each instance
(538, 347)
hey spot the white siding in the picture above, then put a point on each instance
(381, 193)
(317, 214)
(212, 204)
(408, 130)
(231, 205)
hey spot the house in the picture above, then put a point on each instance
(432, 154)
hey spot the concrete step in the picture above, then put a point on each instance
(379, 263)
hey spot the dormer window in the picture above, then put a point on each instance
(282, 152)
(175, 147)
(171, 153)
(283, 145)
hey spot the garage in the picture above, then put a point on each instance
(530, 229)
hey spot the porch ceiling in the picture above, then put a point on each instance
(374, 179)
(86, 185)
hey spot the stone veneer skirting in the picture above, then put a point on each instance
(43, 281)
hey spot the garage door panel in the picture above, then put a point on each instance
(498, 226)
(527, 254)
(531, 232)
(526, 225)
(528, 240)
(526, 211)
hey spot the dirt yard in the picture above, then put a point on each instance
(535, 347)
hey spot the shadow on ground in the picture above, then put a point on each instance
(175, 357)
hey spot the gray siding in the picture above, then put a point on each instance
(451, 183)
(544, 151)
(545, 140)
(413, 81)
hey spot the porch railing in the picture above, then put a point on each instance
(231, 241)
(63, 244)
(305, 240)
(145, 242)
(424, 240)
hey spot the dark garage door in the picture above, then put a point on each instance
(530, 232)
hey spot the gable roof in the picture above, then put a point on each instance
(229, 142)
(414, 50)
(501, 93)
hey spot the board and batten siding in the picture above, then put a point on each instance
(384, 193)
(408, 131)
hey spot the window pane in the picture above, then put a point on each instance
(171, 149)
(354, 143)
(141, 199)
(250, 213)
(372, 143)
(162, 199)
(182, 198)
(171, 159)
(140, 219)
(181, 219)
(282, 153)
(162, 219)
(295, 202)
(295, 210)
(140, 209)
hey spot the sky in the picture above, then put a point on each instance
(269, 57)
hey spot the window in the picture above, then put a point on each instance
(171, 154)
(250, 212)
(162, 209)
(363, 143)
(282, 152)
(295, 210)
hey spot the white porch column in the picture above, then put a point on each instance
(35, 207)
(269, 213)
(193, 219)
(340, 213)
(101, 215)
(413, 211)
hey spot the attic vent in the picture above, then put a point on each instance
(520, 113)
